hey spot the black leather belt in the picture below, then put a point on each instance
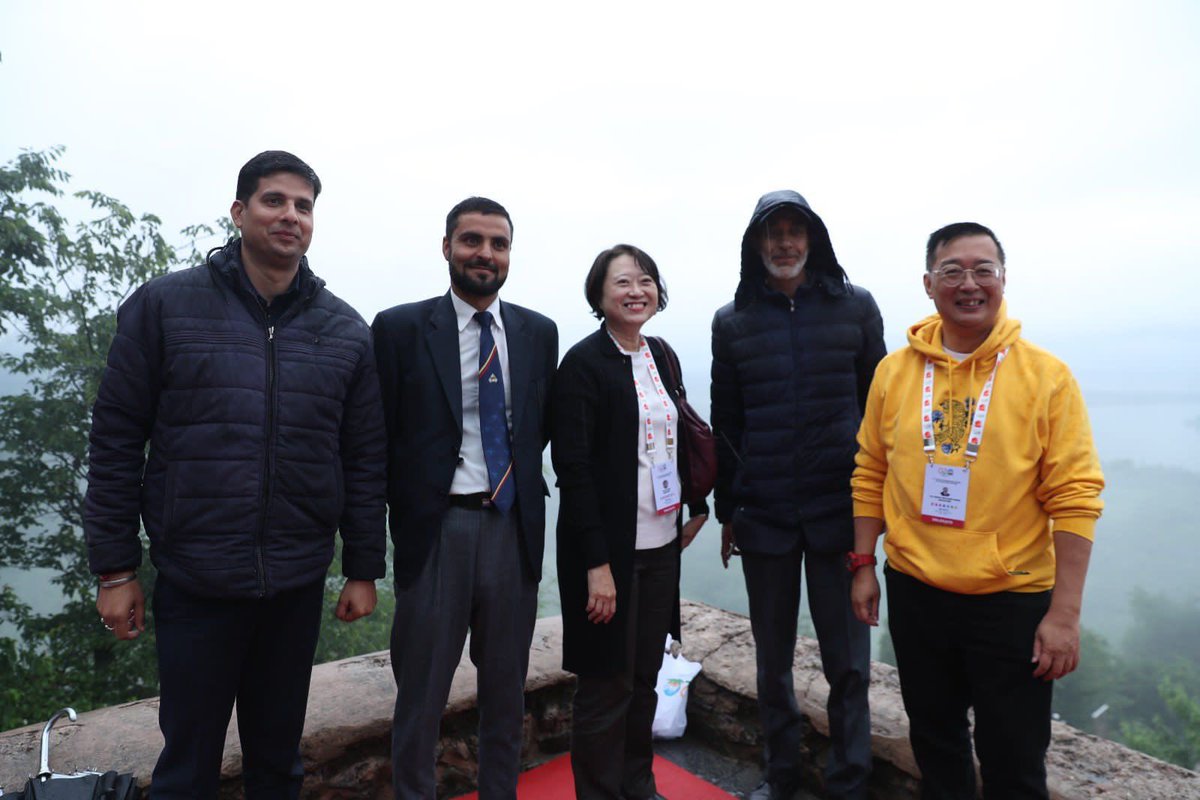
(472, 502)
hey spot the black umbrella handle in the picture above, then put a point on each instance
(44, 773)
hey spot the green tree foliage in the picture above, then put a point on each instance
(1161, 696)
(1174, 736)
(1151, 686)
(60, 285)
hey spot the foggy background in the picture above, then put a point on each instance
(1069, 128)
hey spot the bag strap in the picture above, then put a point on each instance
(672, 365)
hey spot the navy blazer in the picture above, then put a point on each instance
(416, 351)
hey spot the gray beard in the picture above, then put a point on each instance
(784, 273)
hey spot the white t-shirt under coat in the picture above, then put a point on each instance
(653, 529)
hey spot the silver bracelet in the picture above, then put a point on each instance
(115, 582)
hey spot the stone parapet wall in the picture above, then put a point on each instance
(347, 731)
(722, 709)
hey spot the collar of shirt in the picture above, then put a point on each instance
(465, 312)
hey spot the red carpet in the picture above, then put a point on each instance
(553, 781)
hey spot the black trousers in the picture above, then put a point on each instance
(212, 652)
(611, 749)
(773, 589)
(955, 652)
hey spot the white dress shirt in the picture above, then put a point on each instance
(471, 475)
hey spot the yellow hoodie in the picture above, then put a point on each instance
(1037, 470)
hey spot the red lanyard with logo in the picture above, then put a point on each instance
(664, 478)
(644, 357)
(944, 496)
(975, 437)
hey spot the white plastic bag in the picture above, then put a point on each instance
(670, 717)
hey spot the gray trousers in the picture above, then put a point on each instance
(473, 580)
(773, 588)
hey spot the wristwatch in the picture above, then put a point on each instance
(856, 560)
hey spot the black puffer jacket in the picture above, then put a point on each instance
(264, 439)
(789, 383)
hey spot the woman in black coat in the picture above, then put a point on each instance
(618, 452)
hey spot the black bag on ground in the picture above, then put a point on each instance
(47, 785)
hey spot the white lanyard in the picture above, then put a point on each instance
(975, 435)
(644, 399)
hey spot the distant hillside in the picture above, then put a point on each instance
(1147, 538)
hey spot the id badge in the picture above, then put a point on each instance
(666, 487)
(944, 497)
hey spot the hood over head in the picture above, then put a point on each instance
(926, 337)
(822, 266)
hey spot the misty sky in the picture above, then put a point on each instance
(1070, 128)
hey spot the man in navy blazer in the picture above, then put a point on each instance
(465, 382)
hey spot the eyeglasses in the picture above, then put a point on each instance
(984, 276)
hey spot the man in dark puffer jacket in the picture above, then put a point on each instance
(257, 391)
(793, 357)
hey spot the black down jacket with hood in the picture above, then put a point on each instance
(789, 384)
(265, 439)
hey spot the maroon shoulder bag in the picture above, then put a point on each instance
(701, 446)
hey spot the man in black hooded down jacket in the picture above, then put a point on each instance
(257, 392)
(793, 356)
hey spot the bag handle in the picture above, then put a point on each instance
(672, 365)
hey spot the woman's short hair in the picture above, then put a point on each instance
(593, 285)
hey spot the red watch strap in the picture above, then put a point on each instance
(854, 561)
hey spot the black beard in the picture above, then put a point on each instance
(470, 286)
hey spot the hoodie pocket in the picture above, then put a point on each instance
(958, 560)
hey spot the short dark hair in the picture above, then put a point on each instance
(475, 205)
(269, 162)
(957, 230)
(593, 284)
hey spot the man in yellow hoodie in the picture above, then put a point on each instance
(976, 457)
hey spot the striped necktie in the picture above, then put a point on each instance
(493, 421)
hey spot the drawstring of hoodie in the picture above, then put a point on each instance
(950, 381)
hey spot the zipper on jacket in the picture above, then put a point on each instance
(272, 435)
(302, 302)
(268, 464)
